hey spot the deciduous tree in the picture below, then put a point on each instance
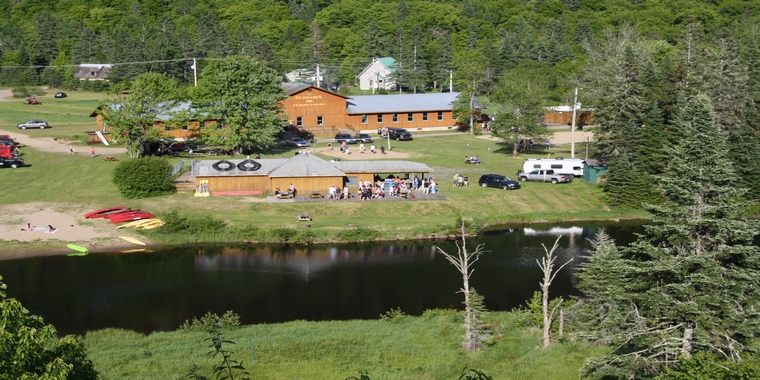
(131, 116)
(243, 95)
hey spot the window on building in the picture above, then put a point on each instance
(168, 127)
(395, 118)
(202, 125)
(320, 121)
(299, 121)
(424, 116)
(364, 119)
(185, 128)
(380, 119)
(410, 117)
(440, 115)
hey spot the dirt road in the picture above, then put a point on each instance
(51, 145)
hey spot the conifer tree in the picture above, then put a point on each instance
(692, 280)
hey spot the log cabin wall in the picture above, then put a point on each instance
(236, 183)
(305, 185)
(305, 108)
(419, 120)
(192, 129)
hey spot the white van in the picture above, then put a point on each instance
(560, 165)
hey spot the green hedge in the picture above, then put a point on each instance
(144, 177)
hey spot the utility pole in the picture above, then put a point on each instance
(195, 72)
(451, 80)
(572, 130)
(317, 75)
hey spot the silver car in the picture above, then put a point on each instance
(297, 141)
(41, 124)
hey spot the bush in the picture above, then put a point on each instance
(208, 323)
(358, 234)
(143, 178)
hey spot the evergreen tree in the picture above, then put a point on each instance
(524, 42)
(374, 40)
(583, 33)
(627, 185)
(401, 12)
(652, 155)
(614, 76)
(693, 278)
(472, 36)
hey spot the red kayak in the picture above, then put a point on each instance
(106, 212)
(130, 216)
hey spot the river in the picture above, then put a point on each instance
(157, 290)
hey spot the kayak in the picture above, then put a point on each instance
(77, 248)
(105, 212)
(130, 216)
(131, 240)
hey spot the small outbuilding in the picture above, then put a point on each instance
(307, 173)
(592, 170)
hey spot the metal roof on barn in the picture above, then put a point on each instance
(439, 101)
(390, 167)
(309, 165)
(306, 165)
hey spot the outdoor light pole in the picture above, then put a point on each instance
(572, 130)
(195, 72)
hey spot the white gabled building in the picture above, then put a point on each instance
(378, 75)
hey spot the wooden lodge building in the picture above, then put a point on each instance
(324, 113)
(306, 172)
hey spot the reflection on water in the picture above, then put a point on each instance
(153, 291)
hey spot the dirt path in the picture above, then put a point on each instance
(51, 145)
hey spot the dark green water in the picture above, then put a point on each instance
(158, 290)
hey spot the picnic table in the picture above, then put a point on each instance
(316, 194)
(285, 196)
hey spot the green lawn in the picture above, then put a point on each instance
(69, 117)
(424, 347)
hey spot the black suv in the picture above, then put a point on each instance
(341, 137)
(399, 134)
(495, 180)
(13, 163)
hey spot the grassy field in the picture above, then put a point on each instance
(69, 117)
(425, 347)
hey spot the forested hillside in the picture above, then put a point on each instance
(428, 37)
(635, 61)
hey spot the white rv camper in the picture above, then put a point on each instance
(560, 165)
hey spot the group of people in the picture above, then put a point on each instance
(336, 193)
(289, 193)
(49, 229)
(397, 187)
(345, 149)
(461, 180)
(472, 160)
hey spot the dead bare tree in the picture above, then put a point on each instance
(475, 333)
(547, 266)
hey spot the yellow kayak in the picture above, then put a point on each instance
(131, 240)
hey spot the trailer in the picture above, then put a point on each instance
(569, 166)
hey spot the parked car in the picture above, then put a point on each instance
(12, 163)
(341, 137)
(363, 137)
(540, 175)
(399, 134)
(297, 141)
(41, 124)
(500, 181)
(60, 95)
